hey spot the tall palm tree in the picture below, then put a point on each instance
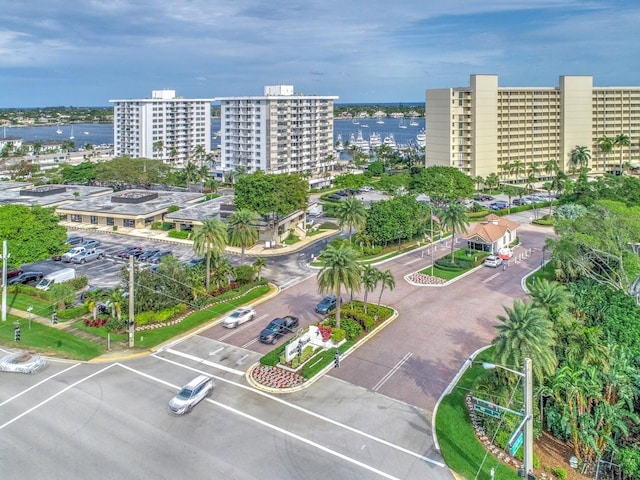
(351, 212)
(479, 182)
(526, 332)
(242, 230)
(116, 298)
(530, 187)
(222, 271)
(551, 167)
(454, 218)
(621, 140)
(370, 278)
(190, 173)
(552, 297)
(548, 186)
(506, 169)
(492, 181)
(339, 269)
(580, 156)
(173, 153)
(198, 155)
(158, 147)
(517, 167)
(258, 265)
(386, 280)
(210, 239)
(606, 145)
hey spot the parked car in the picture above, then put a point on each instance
(191, 394)
(26, 277)
(327, 304)
(482, 197)
(157, 258)
(59, 276)
(194, 262)
(90, 243)
(14, 272)
(498, 205)
(334, 196)
(366, 188)
(130, 252)
(239, 316)
(492, 261)
(523, 201)
(277, 328)
(67, 257)
(89, 255)
(75, 240)
(147, 254)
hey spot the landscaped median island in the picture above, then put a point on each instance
(444, 270)
(300, 361)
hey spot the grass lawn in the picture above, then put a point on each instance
(460, 255)
(20, 301)
(48, 340)
(546, 272)
(460, 448)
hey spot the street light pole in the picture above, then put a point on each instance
(5, 257)
(132, 329)
(527, 391)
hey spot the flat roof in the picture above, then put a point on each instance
(14, 193)
(200, 211)
(105, 206)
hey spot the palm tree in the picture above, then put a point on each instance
(158, 147)
(222, 271)
(548, 186)
(199, 153)
(370, 278)
(550, 167)
(242, 230)
(479, 182)
(190, 173)
(526, 332)
(258, 264)
(530, 188)
(116, 298)
(340, 269)
(210, 238)
(173, 153)
(580, 156)
(492, 181)
(517, 167)
(506, 169)
(351, 213)
(386, 281)
(621, 140)
(454, 218)
(552, 297)
(606, 145)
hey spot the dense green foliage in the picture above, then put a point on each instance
(272, 195)
(32, 234)
(442, 184)
(395, 219)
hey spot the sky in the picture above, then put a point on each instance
(87, 52)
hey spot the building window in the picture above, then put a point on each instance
(76, 218)
(110, 221)
(128, 223)
(93, 220)
(148, 220)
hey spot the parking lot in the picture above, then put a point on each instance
(107, 272)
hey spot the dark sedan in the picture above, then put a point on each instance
(130, 252)
(157, 258)
(147, 254)
(26, 277)
(277, 328)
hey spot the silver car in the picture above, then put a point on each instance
(238, 316)
(191, 394)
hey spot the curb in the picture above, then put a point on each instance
(325, 370)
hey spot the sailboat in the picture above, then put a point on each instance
(413, 123)
(340, 144)
(379, 121)
(59, 131)
(71, 137)
(402, 125)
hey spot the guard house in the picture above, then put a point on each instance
(492, 234)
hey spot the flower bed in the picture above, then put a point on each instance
(275, 377)
(424, 279)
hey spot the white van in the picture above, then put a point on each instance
(58, 276)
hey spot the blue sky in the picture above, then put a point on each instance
(83, 53)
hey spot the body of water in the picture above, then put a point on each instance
(102, 133)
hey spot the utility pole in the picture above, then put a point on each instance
(131, 319)
(528, 412)
(5, 257)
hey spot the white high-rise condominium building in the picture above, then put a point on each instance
(279, 132)
(163, 127)
(483, 128)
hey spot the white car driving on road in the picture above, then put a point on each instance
(238, 316)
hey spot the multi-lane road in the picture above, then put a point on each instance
(372, 418)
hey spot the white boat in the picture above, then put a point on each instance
(361, 143)
(86, 133)
(364, 125)
(402, 125)
(380, 121)
(71, 137)
(413, 123)
(421, 138)
(339, 144)
(374, 140)
(355, 121)
(59, 131)
(390, 142)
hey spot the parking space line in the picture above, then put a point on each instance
(395, 368)
(236, 330)
(249, 343)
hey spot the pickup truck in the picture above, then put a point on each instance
(88, 255)
(68, 257)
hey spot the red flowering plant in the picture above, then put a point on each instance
(325, 331)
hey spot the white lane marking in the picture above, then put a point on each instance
(412, 261)
(241, 360)
(236, 330)
(216, 351)
(291, 282)
(39, 383)
(395, 368)
(275, 427)
(69, 387)
(307, 412)
(491, 277)
(249, 343)
(205, 362)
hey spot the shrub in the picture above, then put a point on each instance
(181, 234)
(97, 323)
(446, 264)
(244, 274)
(294, 362)
(73, 312)
(338, 334)
(560, 472)
(115, 325)
(78, 282)
(115, 228)
(146, 318)
(273, 357)
(156, 226)
(351, 327)
(173, 208)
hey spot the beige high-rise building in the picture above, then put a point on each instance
(279, 132)
(484, 128)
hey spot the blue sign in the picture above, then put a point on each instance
(516, 445)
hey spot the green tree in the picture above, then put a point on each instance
(479, 182)
(198, 155)
(81, 174)
(259, 264)
(62, 294)
(454, 219)
(510, 191)
(517, 167)
(621, 140)
(551, 167)
(552, 297)
(339, 269)
(385, 277)
(117, 300)
(370, 278)
(526, 331)
(442, 184)
(491, 182)
(606, 146)
(32, 233)
(375, 168)
(158, 147)
(579, 157)
(242, 230)
(351, 213)
(210, 239)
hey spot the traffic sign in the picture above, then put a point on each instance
(486, 410)
(516, 445)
